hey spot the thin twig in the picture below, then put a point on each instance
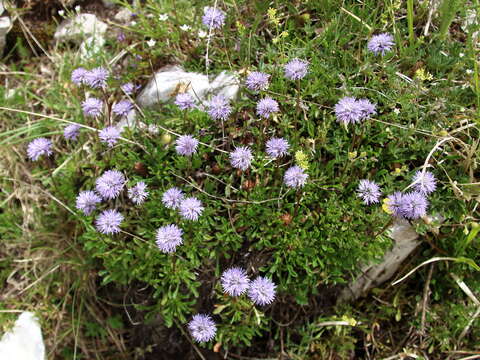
(426, 292)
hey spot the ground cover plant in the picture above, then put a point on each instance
(228, 227)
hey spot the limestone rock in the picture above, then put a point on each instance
(5, 26)
(79, 28)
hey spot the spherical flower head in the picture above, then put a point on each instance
(368, 191)
(267, 106)
(202, 328)
(110, 135)
(191, 208)
(381, 44)
(38, 147)
(295, 177)
(172, 198)
(138, 193)
(241, 158)
(219, 108)
(348, 111)
(235, 281)
(79, 76)
(110, 184)
(366, 108)
(185, 101)
(213, 18)
(277, 147)
(414, 205)
(97, 78)
(122, 108)
(92, 107)
(129, 88)
(296, 69)
(186, 145)
(87, 201)
(262, 291)
(257, 81)
(108, 222)
(395, 204)
(71, 131)
(424, 182)
(168, 238)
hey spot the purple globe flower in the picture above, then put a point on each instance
(122, 108)
(191, 208)
(296, 69)
(213, 18)
(92, 107)
(110, 135)
(129, 88)
(185, 101)
(348, 111)
(277, 147)
(414, 205)
(241, 158)
(79, 76)
(38, 147)
(186, 145)
(138, 193)
(219, 108)
(97, 78)
(110, 184)
(172, 198)
(267, 106)
(366, 108)
(262, 291)
(257, 81)
(395, 204)
(87, 201)
(108, 222)
(424, 182)
(71, 131)
(168, 238)
(368, 191)
(381, 44)
(295, 177)
(235, 281)
(202, 328)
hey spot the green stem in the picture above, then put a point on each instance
(411, 34)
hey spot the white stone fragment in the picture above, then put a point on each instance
(91, 46)
(79, 28)
(5, 26)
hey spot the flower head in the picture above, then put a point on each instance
(129, 88)
(347, 111)
(424, 182)
(368, 191)
(97, 78)
(185, 101)
(79, 76)
(87, 201)
(108, 222)
(395, 204)
(366, 108)
(191, 208)
(414, 205)
(168, 238)
(257, 81)
(296, 69)
(202, 328)
(267, 106)
(219, 108)
(71, 131)
(38, 147)
(262, 291)
(172, 198)
(277, 147)
(92, 107)
(241, 157)
(138, 193)
(381, 44)
(213, 18)
(122, 108)
(110, 135)
(110, 184)
(295, 177)
(186, 145)
(235, 281)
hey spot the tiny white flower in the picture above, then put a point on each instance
(163, 17)
(461, 55)
(202, 34)
(61, 12)
(396, 111)
(151, 43)
(133, 23)
(77, 8)
(469, 71)
(185, 27)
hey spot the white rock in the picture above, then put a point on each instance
(80, 27)
(24, 341)
(108, 3)
(123, 15)
(91, 46)
(226, 84)
(5, 26)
